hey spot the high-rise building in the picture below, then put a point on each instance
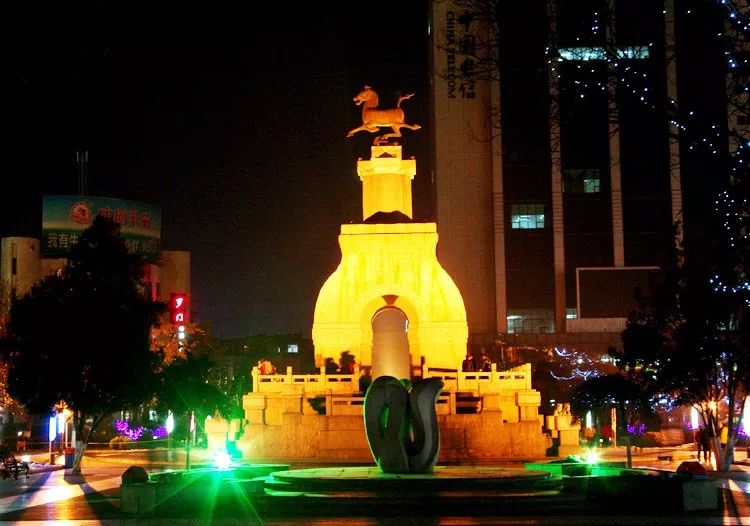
(557, 167)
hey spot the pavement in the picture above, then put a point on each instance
(52, 495)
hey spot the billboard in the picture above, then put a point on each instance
(65, 217)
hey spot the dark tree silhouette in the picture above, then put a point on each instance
(185, 388)
(81, 337)
(630, 400)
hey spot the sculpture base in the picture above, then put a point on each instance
(444, 478)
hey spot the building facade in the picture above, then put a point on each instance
(557, 167)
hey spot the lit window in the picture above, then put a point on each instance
(527, 216)
(581, 180)
(571, 314)
(591, 186)
(599, 53)
(292, 348)
(531, 321)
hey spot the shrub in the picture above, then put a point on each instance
(134, 475)
(117, 442)
(318, 403)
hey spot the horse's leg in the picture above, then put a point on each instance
(359, 129)
(396, 131)
(412, 126)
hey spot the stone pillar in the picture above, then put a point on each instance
(217, 430)
(386, 181)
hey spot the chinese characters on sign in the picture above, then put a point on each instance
(65, 217)
(460, 50)
(178, 308)
(123, 216)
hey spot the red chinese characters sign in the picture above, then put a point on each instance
(178, 308)
(65, 217)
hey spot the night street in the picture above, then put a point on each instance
(55, 497)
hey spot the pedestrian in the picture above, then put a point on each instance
(706, 443)
(468, 365)
(698, 437)
(724, 435)
(485, 364)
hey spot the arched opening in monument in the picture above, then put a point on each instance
(390, 344)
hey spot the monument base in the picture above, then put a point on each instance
(321, 438)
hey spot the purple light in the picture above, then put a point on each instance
(123, 428)
(159, 432)
(636, 429)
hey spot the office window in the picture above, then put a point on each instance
(581, 180)
(530, 321)
(292, 348)
(527, 216)
(591, 186)
(571, 314)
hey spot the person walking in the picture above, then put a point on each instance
(698, 437)
(706, 437)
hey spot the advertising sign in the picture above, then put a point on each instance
(65, 217)
(178, 308)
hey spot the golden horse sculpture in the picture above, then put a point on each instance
(373, 118)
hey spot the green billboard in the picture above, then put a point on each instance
(65, 217)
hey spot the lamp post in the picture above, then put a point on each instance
(191, 430)
(51, 434)
(170, 427)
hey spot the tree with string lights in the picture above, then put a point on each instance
(689, 337)
(7, 403)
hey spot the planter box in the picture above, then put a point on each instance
(138, 498)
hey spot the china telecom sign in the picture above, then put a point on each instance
(459, 43)
(65, 217)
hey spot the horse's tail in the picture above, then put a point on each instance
(400, 99)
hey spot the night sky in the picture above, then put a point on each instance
(233, 120)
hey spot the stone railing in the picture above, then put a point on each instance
(309, 383)
(493, 381)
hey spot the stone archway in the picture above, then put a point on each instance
(390, 344)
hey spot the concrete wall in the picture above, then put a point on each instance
(19, 264)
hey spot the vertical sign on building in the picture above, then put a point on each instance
(178, 308)
(466, 171)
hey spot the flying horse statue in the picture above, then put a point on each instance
(373, 118)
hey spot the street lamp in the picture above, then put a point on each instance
(170, 427)
(191, 434)
(51, 434)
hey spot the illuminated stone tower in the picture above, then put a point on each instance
(390, 302)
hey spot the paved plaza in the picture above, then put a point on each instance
(54, 496)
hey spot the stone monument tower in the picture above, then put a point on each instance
(389, 303)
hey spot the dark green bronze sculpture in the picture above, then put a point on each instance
(401, 424)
